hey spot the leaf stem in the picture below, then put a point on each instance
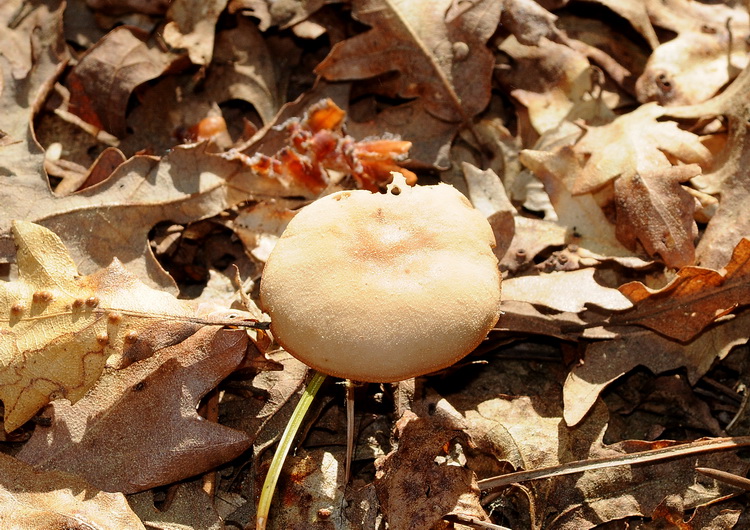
(269, 486)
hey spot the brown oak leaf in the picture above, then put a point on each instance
(138, 428)
(436, 46)
(692, 300)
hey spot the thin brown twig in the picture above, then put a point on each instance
(641, 457)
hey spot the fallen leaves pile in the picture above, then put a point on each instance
(151, 153)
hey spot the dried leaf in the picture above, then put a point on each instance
(62, 328)
(191, 507)
(635, 143)
(487, 195)
(101, 83)
(138, 428)
(695, 298)
(192, 26)
(419, 483)
(237, 74)
(30, 498)
(580, 214)
(732, 219)
(439, 46)
(654, 209)
(526, 432)
(709, 51)
(551, 80)
(564, 291)
(606, 361)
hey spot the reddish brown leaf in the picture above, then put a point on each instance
(101, 83)
(693, 299)
(317, 145)
(138, 428)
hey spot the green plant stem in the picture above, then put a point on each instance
(269, 486)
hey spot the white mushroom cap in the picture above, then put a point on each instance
(383, 287)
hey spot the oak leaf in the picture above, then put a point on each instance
(695, 298)
(608, 360)
(58, 329)
(569, 291)
(139, 428)
(102, 81)
(708, 51)
(731, 222)
(436, 46)
(634, 143)
(30, 498)
(654, 209)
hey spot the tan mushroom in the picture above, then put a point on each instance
(383, 287)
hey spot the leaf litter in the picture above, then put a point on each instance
(147, 147)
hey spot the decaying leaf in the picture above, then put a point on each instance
(30, 498)
(59, 328)
(420, 482)
(138, 428)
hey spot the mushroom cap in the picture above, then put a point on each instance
(383, 287)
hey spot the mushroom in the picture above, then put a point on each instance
(382, 287)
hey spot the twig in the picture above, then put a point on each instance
(641, 457)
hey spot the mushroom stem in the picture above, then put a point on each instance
(349, 431)
(269, 485)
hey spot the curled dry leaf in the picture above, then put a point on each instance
(59, 329)
(237, 74)
(192, 26)
(101, 83)
(30, 498)
(695, 298)
(138, 428)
